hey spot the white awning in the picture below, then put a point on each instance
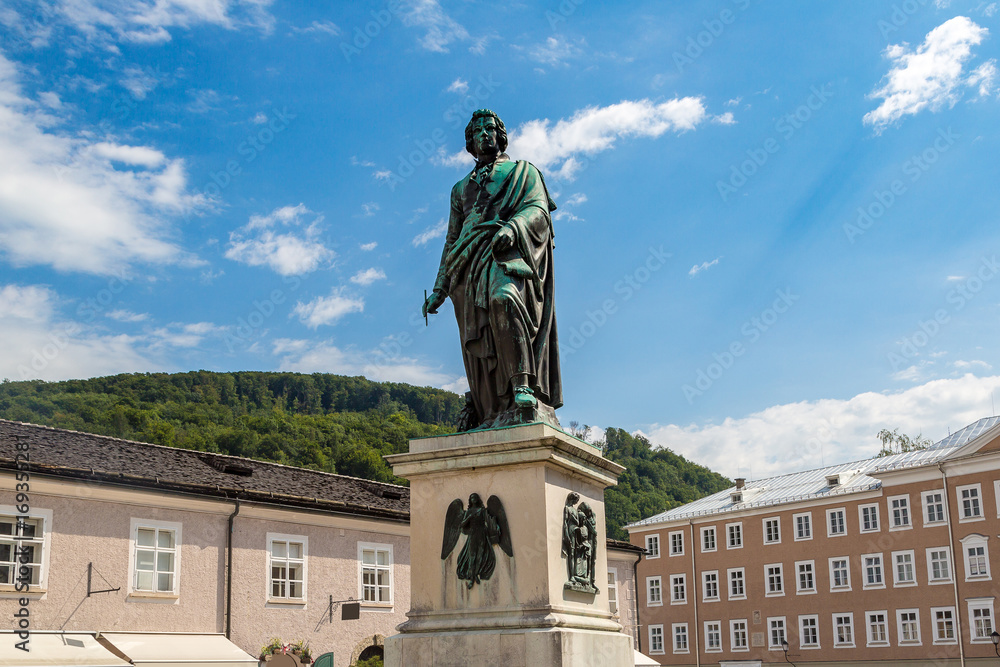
(57, 649)
(178, 649)
(642, 660)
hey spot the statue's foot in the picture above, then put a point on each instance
(524, 397)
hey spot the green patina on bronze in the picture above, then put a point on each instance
(485, 527)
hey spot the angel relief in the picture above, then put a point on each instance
(485, 526)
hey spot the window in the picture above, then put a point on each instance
(871, 565)
(773, 576)
(287, 566)
(908, 626)
(772, 531)
(737, 584)
(734, 532)
(902, 569)
(938, 567)
(809, 631)
(899, 512)
(877, 633)
(806, 582)
(944, 625)
(375, 563)
(654, 593)
(933, 507)
(680, 637)
(981, 619)
(613, 592)
(840, 574)
(738, 635)
(708, 539)
(843, 630)
(678, 588)
(24, 544)
(803, 526)
(155, 557)
(653, 547)
(868, 514)
(713, 636)
(710, 585)
(776, 632)
(677, 543)
(977, 564)
(656, 639)
(835, 524)
(969, 502)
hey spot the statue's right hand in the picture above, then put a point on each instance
(433, 302)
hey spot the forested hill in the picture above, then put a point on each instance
(322, 421)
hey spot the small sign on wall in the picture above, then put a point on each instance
(757, 639)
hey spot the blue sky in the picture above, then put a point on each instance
(776, 231)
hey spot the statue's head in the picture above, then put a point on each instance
(585, 508)
(573, 498)
(475, 500)
(501, 131)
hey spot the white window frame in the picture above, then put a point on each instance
(847, 560)
(718, 631)
(362, 547)
(904, 500)
(670, 536)
(768, 593)
(864, 571)
(134, 526)
(962, 517)
(868, 628)
(674, 627)
(974, 541)
(802, 634)
(734, 645)
(976, 604)
(652, 546)
(873, 508)
(799, 564)
(931, 580)
(41, 542)
(842, 511)
(902, 583)
(899, 628)
(777, 529)
(771, 620)
(743, 582)
(654, 591)
(808, 524)
(613, 591)
(739, 532)
(926, 504)
(850, 624)
(673, 584)
(271, 538)
(938, 639)
(653, 631)
(709, 530)
(996, 495)
(704, 586)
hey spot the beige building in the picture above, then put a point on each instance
(886, 560)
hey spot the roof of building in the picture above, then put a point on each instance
(623, 546)
(83, 456)
(854, 477)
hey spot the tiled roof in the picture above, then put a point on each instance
(84, 456)
(812, 484)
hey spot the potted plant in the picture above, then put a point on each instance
(300, 649)
(272, 646)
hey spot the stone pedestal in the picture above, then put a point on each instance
(523, 614)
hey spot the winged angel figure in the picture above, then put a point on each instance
(485, 527)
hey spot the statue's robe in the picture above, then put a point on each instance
(504, 302)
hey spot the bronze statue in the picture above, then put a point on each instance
(497, 269)
(485, 527)
(579, 545)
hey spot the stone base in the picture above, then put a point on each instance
(539, 414)
(556, 647)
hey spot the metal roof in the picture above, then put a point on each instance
(812, 484)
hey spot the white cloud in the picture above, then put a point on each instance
(575, 199)
(809, 434)
(461, 159)
(975, 363)
(990, 9)
(122, 315)
(459, 85)
(327, 309)
(369, 209)
(368, 276)
(259, 118)
(724, 119)
(914, 373)
(140, 82)
(698, 268)
(555, 51)
(984, 77)
(441, 29)
(382, 175)
(64, 203)
(178, 334)
(319, 27)
(361, 163)
(734, 102)
(288, 253)
(929, 76)
(430, 233)
(459, 386)
(368, 247)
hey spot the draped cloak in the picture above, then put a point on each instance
(504, 302)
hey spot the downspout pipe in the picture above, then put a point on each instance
(954, 566)
(695, 589)
(635, 580)
(229, 571)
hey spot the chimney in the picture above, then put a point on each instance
(740, 482)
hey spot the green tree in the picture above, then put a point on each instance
(894, 442)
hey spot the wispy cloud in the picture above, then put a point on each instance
(327, 310)
(459, 86)
(298, 250)
(369, 209)
(556, 51)
(368, 276)
(324, 27)
(431, 233)
(368, 247)
(441, 29)
(122, 315)
(698, 268)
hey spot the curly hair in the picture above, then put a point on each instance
(501, 130)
